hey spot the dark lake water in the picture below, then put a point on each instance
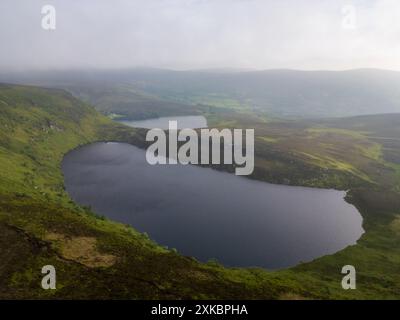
(209, 214)
(192, 122)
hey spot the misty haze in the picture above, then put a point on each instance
(85, 215)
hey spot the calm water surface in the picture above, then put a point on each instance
(209, 214)
(192, 122)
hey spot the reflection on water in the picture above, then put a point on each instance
(190, 122)
(209, 214)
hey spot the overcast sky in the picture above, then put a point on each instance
(197, 34)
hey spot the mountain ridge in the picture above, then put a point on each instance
(272, 93)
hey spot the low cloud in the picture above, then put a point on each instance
(192, 34)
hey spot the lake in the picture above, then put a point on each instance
(192, 122)
(209, 214)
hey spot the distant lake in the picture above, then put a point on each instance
(209, 214)
(190, 122)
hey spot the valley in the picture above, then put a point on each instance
(40, 224)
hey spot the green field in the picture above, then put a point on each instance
(97, 258)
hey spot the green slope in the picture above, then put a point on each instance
(279, 93)
(97, 258)
(40, 225)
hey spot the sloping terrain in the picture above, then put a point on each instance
(40, 225)
(278, 93)
(97, 258)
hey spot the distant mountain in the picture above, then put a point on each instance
(283, 93)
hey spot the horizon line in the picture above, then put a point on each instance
(205, 70)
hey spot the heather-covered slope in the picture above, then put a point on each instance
(97, 258)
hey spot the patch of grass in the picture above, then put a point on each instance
(324, 130)
(328, 162)
(269, 139)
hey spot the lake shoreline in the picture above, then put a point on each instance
(262, 184)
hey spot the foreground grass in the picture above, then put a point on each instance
(97, 258)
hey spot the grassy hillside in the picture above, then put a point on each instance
(126, 102)
(40, 225)
(278, 93)
(97, 258)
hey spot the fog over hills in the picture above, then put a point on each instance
(282, 93)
